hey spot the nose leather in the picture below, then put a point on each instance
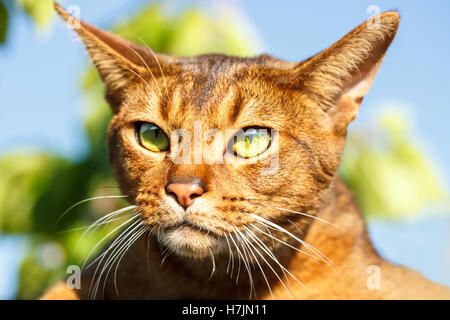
(185, 192)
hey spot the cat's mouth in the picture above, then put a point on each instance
(188, 239)
(187, 226)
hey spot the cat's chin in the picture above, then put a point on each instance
(189, 241)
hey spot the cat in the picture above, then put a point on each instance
(284, 226)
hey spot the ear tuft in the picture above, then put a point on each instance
(119, 62)
(63, 13)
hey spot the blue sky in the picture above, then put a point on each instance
(41, 105)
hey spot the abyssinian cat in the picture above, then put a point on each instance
(260, 213)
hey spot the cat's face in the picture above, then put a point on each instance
(225, 94)
(194, 200)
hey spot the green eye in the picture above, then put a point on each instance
(153, 138)
(251, 143)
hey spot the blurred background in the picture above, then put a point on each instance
(53, 121)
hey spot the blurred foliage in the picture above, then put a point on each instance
(37, 187)
(389, 173)
(4, 20)
(40, 11)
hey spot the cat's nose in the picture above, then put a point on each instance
(185, 192)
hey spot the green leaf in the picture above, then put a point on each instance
(212, 35)
(4, 18)
(30, 174)
(391, 176)
(39, 10)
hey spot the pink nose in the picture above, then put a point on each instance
(185, 192)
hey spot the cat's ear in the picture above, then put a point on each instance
(119, 62)
(340, 76)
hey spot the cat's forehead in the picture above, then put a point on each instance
(214, 88)
(217, 64)
(210, 99)
(222, 92)
(214, 65)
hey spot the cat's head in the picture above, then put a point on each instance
(211, 146)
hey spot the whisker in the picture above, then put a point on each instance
(86, 200)
(303, 214)
(115, 243)
(300, 231)
(239, 261)
(230, 257)
(247, 266)
(248, 244)
(148, 69)
(105, 237)
(268, 230)
(141, 78)
(213, 264)
(166, 253)
(97, 226)
(116, 248)
(101, 257)
(285, 243)
(283, 268)
(277, 227)
(259, 73)
(149, 238)
(313, 252)
(131, 242)
(104, 219)
(113, 258)
(272, 256)
(157, 61)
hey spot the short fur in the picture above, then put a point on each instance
(310, 104)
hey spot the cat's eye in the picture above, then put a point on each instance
(252, 142)
(153, 138)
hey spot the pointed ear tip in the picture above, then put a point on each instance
(393, 16)
(60, 10)
(389, 22)
(390, 18)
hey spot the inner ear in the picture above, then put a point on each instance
(348, 103)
